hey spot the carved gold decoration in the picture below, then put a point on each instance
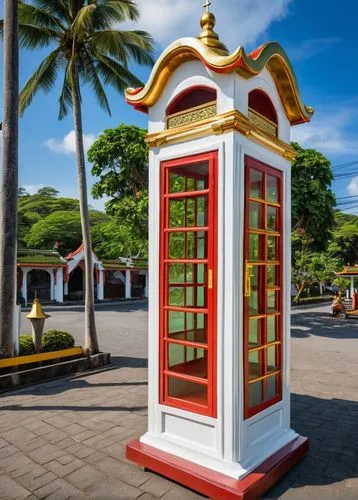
(263, 123)
(217, 125)
(270, 55)
(192, 115)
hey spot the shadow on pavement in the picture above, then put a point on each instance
(331, 426)
(323, 324)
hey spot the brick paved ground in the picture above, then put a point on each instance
(66, 439)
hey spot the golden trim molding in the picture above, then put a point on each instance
(220, 124)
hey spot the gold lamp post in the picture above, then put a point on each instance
(37, 317)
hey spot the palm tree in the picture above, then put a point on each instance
(9, 181)
(89, 49)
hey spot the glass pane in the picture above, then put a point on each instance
(187, 391)
(202, 211)
(188, 178)
(255, 247)
(200, 297)
(255, 217)
(255, 394)
(272, 219)
(271, 361)
(190, 212)
(176, 245)
(271, 301)
(187, 326)
(271, 328)
(272, 189)
(177, 296)
(254, 304)
(272, 242)
(176, 322)
(272, 276)
(190, 295)
(271, 387)
(176, 213)
(201, 245)
(188, 360)
(254, 332)
(256, 184)
(180, 273)
(255, 366)
(200, 273)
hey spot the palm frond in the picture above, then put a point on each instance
(139, 46)
(110, 43)
(65, 99)
(31, 37)
(75, 6)
(111, 12)
(56, 7)
(1, 28)
(90, 75)
(44, 78)
(115, 74)
(83, 20)
(29, 14)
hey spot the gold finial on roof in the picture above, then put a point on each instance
(208, 36)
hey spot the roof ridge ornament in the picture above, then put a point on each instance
(208, 36)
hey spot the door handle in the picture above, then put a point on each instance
(248, 276)
(210, 279)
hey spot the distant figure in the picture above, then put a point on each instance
(355, 300)
(338, 305)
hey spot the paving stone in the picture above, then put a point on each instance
(36, 479)
(85, 477)
(58, 488)
(80, 450)
(62, 470)
(3, 443)
(46, 454)
(7, 451)
(10, 489)
(115, 489)
(156, 486)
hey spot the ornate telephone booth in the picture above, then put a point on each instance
(219, 295)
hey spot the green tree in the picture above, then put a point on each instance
(22, 193)
(309, 267)
(120, 160)
(64, 226)
(89, 49)
(344, 245)
(312, 199)
(114, 239)
(9, 181)
(48, 192)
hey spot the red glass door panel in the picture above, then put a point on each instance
(188, 283)
(262, 286)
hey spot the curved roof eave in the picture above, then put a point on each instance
(270, 55)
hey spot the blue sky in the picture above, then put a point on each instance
(319, 36)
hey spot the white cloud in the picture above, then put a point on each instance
(67, 145)
(352, 187)
(310, 48)
(239, 22)
(32, 188)
(329, 131)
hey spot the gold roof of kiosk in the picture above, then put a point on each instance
(215, 56)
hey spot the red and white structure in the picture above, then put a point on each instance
(219, 296)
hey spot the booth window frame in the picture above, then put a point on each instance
(262, 265)
(210, 310)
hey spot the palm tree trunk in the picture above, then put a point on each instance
(91, 341)
(9, 181)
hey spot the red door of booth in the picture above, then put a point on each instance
(188, 270)
(263, 299)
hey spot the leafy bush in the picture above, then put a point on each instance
(57, 340)
(26, 346)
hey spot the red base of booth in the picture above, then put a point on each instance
(213, 484)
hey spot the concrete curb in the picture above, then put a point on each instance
(15, 379)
